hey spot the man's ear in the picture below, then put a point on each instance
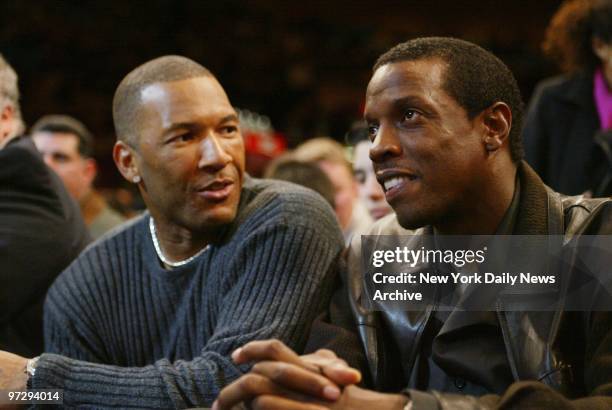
(125, 159)
(497, 120)
(91, 169)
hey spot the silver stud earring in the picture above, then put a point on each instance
(136, 179)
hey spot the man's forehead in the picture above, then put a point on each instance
(415, 76)
(182, 91)
(177, 101)
(64, 139)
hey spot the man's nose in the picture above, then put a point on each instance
(386, 145)
(214, 155)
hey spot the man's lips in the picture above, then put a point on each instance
(216, 190)
(396, 181)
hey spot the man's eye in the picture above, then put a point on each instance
(360, 176)
(188, 136)
(409, 115)
(229, 129)
(372, 131)
(61, 158)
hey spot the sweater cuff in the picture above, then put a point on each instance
(51, 372)
(86, 383)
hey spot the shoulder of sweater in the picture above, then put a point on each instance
(269, 200)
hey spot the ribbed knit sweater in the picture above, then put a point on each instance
(121, 331)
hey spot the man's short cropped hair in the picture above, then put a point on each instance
(127, 96)
(9, 92)
(322, 149)
(474, 77)
(307, 174)
(67, 125)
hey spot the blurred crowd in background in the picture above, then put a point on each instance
(297, 73)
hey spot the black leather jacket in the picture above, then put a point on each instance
(569, 352)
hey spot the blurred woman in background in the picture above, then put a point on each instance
(567, 134)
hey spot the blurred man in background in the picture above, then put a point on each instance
(306, 174)
(329, 155)
(370, 191)
(41, 230)
(67, 147)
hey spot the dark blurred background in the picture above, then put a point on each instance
(303, 64)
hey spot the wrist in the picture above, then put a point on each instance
(404, 402)
(30, 370)
(394, 401)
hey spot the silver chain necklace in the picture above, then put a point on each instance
(160, 254)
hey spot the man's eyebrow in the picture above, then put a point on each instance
(409, 99)
(178, 125)
(59, 154)
(414, 101)
(228, 118)
(191, 125)
(401, 103)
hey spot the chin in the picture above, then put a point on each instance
(219, 217)
(411, 219)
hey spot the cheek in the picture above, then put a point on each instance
(235, 148)
(72, 173)
(343, 198)
(167, 177)
(62, 170)
(375, 191)
(237, 166)
(421, 147)
(363, 191)
(459, 173)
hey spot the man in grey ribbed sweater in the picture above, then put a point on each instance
(148, 316)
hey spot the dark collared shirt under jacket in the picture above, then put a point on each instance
(447, 360)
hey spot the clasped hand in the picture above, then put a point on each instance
(280, 379)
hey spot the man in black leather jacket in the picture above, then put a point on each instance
(444, 117)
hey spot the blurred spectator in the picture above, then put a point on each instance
(41, 230)
(67, 147)
(125, 199)
(370, 191)
(306, 174)
(566, 134)
(329, 155)
(261, 142)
